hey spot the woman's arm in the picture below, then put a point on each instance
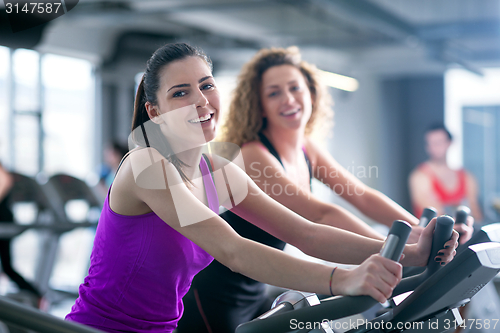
(370, 202)
(268, 174)
(321, 241)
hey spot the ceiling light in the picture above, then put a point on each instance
(339, 81)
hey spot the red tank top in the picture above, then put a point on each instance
(446, 197)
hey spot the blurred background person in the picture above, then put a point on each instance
(434, 183)
(113, 154)
(6, 216)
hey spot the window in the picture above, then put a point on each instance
(68, 115)
(47, 117)
(4, 105)
(26, 112)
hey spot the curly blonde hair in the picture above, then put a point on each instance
(244, 120)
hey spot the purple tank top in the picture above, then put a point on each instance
(140, 270)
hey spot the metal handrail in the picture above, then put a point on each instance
(26, 317)
(10, 230)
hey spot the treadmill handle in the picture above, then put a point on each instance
(461, 215)
(427, 215)
(442, 233)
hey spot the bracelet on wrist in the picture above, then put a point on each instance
(331, 278)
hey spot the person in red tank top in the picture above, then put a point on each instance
(448, 198)
(434, 183)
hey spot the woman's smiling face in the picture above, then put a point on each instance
(285, 97)
(188, 102)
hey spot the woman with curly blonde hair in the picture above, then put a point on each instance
(244, 121)
(279, 102)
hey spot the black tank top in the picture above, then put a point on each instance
(265, 141)
(218, 280)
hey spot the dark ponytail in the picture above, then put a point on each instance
(149, 134)
(140, 113)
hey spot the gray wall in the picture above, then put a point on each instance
(382, 125)
(409, 106)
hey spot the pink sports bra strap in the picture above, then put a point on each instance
(212, 197)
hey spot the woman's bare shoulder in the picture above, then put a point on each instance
(142, 173)
(253, 147)
(146, 168)
(318, 153)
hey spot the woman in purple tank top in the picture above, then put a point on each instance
(160, 226)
